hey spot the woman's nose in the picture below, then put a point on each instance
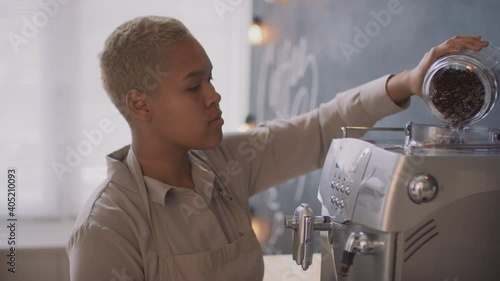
(213, 97)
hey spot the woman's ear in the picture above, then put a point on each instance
(139, 105)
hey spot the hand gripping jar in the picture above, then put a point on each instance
(461, 88)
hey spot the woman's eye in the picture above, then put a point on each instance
(192, 89)
(197, 87)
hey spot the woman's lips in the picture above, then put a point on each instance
(217, 119)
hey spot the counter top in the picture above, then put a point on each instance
(284, 268)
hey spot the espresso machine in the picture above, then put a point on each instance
(424, 207)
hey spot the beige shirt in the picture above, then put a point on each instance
(205, 233)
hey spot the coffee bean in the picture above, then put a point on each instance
(458, 95)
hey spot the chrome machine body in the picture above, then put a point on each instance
(422, 210)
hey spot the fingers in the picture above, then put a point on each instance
(457, 44)
(469, 42)
(452, 45)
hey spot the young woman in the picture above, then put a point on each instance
(175, 203)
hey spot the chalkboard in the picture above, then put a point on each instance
(321, 48)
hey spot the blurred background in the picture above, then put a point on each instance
(272, 59)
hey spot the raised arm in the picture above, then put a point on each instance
(283, 149)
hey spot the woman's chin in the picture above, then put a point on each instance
(211, 142)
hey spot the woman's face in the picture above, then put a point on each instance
(186, 113)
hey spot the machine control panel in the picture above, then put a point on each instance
(341, 177)
(341, 189)
(339, 194)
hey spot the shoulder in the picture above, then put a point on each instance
(97, 252)
(113, 210)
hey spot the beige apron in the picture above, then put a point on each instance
(239, 260)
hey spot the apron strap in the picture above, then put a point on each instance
(163, 252)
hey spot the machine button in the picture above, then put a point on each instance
(342, 204)
(333, 199)
(347, 191)
(423, 188)
(337, 202)
(342, 188)
(333, 184)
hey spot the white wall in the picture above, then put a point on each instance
(51, 89)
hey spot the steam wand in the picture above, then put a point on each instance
(356, 243)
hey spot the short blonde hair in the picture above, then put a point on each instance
(133, 51)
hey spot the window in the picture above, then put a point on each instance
(58, 123)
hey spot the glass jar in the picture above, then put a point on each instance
(461, 88)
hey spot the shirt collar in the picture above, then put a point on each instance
(203, 179)
(119, 163)
(157, 190)
(118, 170)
